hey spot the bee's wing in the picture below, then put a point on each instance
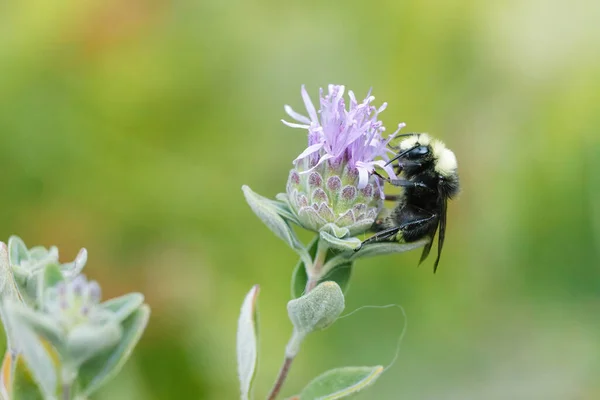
(428, 246)
(442, 235)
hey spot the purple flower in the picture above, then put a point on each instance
(340, 135)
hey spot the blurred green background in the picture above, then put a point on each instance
(128, 127)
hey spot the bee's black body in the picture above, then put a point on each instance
(428, 181)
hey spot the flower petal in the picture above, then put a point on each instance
(312, 113)
(298, 117)
(310, 150)
(293, 125)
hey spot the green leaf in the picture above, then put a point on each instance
(348, 244)
(317, 309)
(284, 209)
(340, 274)
(8, 294)
(376, 249)
(8, 286)
(88, 340)
(41, 324)
(17, 251)
(269, 215)
(35, 352)
(72, 269)
(50, 277)
(247, 342)
(123, 306)
(98, 370)
(23, 384)
(340, 382)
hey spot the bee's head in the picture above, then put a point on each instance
(419, 152)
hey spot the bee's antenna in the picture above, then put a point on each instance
(397, 156)
(407, 134)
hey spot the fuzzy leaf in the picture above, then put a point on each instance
(284, 209)
(86, 341)
(17, 251)
(348, 244)
(340, 382)
(48, 278)
(72, 269)
(123, 306)
(269, 215)
(98, 370)
(376, 249)
(41, 324)
(317, 309)
(8, 287)
(35, 353)
(23, 386)
(247, 342)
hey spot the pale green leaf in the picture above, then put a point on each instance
(317, 309)
(88, 340)
(39, 323)
(376, 249)
(123, 306)
(17, 251)
(50, 277)
(270, 216)
(23, 386)
(100, 369)
(340, 382)
(247, 342)
(347, 244)
(33, 350)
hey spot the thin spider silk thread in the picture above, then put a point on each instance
(400, 338)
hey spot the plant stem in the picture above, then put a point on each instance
(314, 274)
(285, 368)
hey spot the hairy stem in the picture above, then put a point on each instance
(314, 274)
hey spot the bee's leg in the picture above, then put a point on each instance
(406, 183)
(418, 227)
(381, 236)
(393, 197)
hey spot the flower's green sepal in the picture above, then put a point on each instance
(340, 382)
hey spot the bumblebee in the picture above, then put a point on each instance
(428, 175)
